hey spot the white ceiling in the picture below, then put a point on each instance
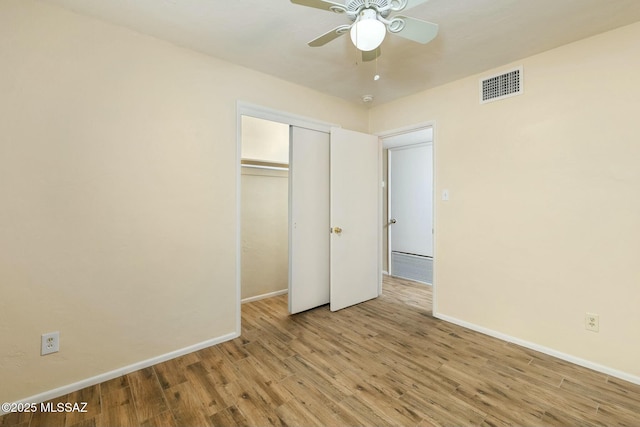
(271, 35)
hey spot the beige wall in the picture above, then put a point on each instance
(265, 140)
(118, 194)
(265, 231)
(543, 222)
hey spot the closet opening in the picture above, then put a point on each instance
(264, 203)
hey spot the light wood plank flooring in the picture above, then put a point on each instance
(385, 362)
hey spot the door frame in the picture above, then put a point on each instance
(386, 144)
(248, 109)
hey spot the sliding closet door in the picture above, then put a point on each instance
(308, 219)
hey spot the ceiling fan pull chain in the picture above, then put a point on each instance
(376, 76)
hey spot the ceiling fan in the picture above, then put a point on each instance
(371, 21)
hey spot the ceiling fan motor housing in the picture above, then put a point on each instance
(355, 6)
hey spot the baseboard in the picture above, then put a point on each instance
(61, 391)
(546, 350)
(414, 280)
(267, 295)
(408, 278)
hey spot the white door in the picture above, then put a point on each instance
(411, 195)
(355, 273)
(334, 223)
(308, 219)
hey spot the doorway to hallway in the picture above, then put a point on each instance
(410, 204)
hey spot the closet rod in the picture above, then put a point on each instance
(274, 168)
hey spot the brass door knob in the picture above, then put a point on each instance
(337, 230)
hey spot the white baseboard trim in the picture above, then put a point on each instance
(546, 350)
(386, 273)
(61, 391)
(267, 295)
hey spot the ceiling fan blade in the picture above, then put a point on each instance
(329, 35)
(398, 5)
(322, 4)
(417, 30)
(371, 55)
(414, 3)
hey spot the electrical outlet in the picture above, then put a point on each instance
(592, 322)
(50, 343)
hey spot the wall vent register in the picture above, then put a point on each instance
(501, 86)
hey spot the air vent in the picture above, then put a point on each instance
(501, 86)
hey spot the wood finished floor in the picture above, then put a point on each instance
(385, 362)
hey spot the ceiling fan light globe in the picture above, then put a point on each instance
(368, 34)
